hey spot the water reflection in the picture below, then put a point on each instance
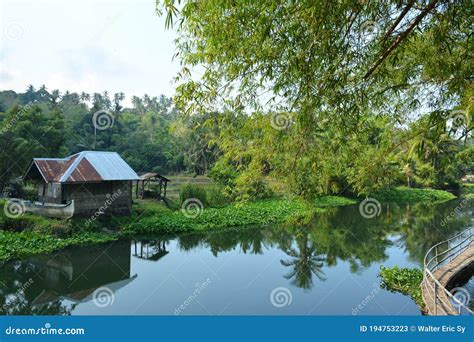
(57, 284)
(152, 250)
(305, 260)
(39, 285)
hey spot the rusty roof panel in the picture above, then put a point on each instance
(87, 166)
(84, 172)
(53, 169)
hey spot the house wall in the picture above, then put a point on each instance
(108, 197)
(50, 193)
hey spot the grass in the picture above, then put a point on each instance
(410, 195)
(404, 280)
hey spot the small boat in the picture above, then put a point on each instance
(63, 211)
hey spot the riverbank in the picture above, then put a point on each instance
(27, 234)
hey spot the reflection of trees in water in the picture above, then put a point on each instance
(249, 240)
(421, 227)
(46, 284)
(16, 282)
(337, 235)
(305, 261)
(341, 234)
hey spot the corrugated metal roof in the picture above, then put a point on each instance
(87, 166)
(148, 175)
(111, 166)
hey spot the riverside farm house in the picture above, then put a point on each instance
(82, 184)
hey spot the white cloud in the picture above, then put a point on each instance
(87, 46)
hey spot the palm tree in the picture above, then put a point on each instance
(85, 97)
(55, 95)
(305, 262)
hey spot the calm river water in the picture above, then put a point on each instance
(329, 268)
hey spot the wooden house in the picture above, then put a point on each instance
(93, 181)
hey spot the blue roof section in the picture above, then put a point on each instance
(109, 165)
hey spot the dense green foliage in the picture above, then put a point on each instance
(403, 280)
(334, 97)
(150, 135)
(194, 191)
(252, 213)
(468, 191)
(209, 195)
(406, 195)
(23, 244)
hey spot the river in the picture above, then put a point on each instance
(328, 268)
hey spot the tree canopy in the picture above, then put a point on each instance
(343, 83)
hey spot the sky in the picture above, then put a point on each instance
(86, 45)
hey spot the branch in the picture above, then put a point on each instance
(400, 38)
(400, 17)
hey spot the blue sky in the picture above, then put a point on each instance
(86, 45)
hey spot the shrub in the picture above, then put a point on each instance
(215, 195)
(404, 280)
(193, 191)
(251, 187)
